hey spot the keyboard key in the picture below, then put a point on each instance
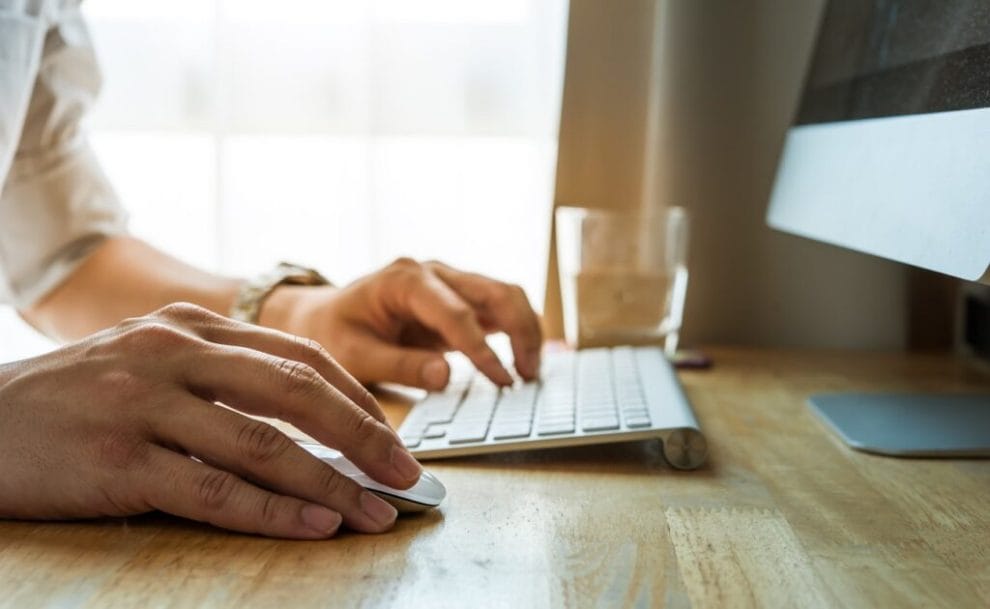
(628, 395)
(594, 416)
(549, 404)
(522, 394)
(553, 429)
(467, 434)
(413, 428)
(635, 422)
(501, 420)
(510, 431)
(442, 413)
(600, 424)
(606, 409)
(411, 441)
(435, 431)
(515, 413)
(635, 411)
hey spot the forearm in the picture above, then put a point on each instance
(123, 278)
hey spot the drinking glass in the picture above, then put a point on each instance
(623, 276)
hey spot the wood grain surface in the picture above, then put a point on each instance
(783, 515)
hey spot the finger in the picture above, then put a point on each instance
(179, 485)
(438, 307)
(508, 306)
(267, 385)
(421, 368)
(415, 334)
(260, 453)
(302, 350)
(218, 329)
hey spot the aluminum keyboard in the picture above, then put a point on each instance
(583, 397)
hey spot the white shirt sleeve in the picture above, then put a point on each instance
(56, 204)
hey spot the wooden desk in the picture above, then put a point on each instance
(782, 516)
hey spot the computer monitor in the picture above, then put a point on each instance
(890, 155)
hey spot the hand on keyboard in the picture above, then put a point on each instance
(396, 324)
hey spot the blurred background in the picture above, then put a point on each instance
(333, 133)
(342, 134)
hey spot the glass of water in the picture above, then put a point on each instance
(623, 276)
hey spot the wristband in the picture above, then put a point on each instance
(252, 294)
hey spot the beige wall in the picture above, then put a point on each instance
(686, 102)
(607, 86)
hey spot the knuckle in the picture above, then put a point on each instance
(364, 428)
(183, 311)
(518, 293)
(406, 273)
(131, 322)
(503, 294)
(310, 349)
(367, 400)
(332, 482)
(214, 488)
(262, 443)
(154, 336)
(297, 378)
(269, 510)
(461, 314)
(509, 296)
(404, 263)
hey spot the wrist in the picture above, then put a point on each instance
(277, 309)
(284, 308)
(255, 292)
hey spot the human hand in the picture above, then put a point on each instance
(125, 422)
(395, 324)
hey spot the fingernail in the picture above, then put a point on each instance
(405, 464)
(322, 520)
(435, 374)
(380, 512)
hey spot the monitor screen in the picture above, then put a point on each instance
(889, 153)
(891, 58)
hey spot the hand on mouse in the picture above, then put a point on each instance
(125, 422)
(395, 324)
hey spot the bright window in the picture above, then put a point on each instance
(335, 133)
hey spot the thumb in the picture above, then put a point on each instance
(420, 368)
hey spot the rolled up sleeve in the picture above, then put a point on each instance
(56, 205)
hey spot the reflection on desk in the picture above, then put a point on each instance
(783, 515)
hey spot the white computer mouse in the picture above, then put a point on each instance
(427, 493)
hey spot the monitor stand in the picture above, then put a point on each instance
(909, 425)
